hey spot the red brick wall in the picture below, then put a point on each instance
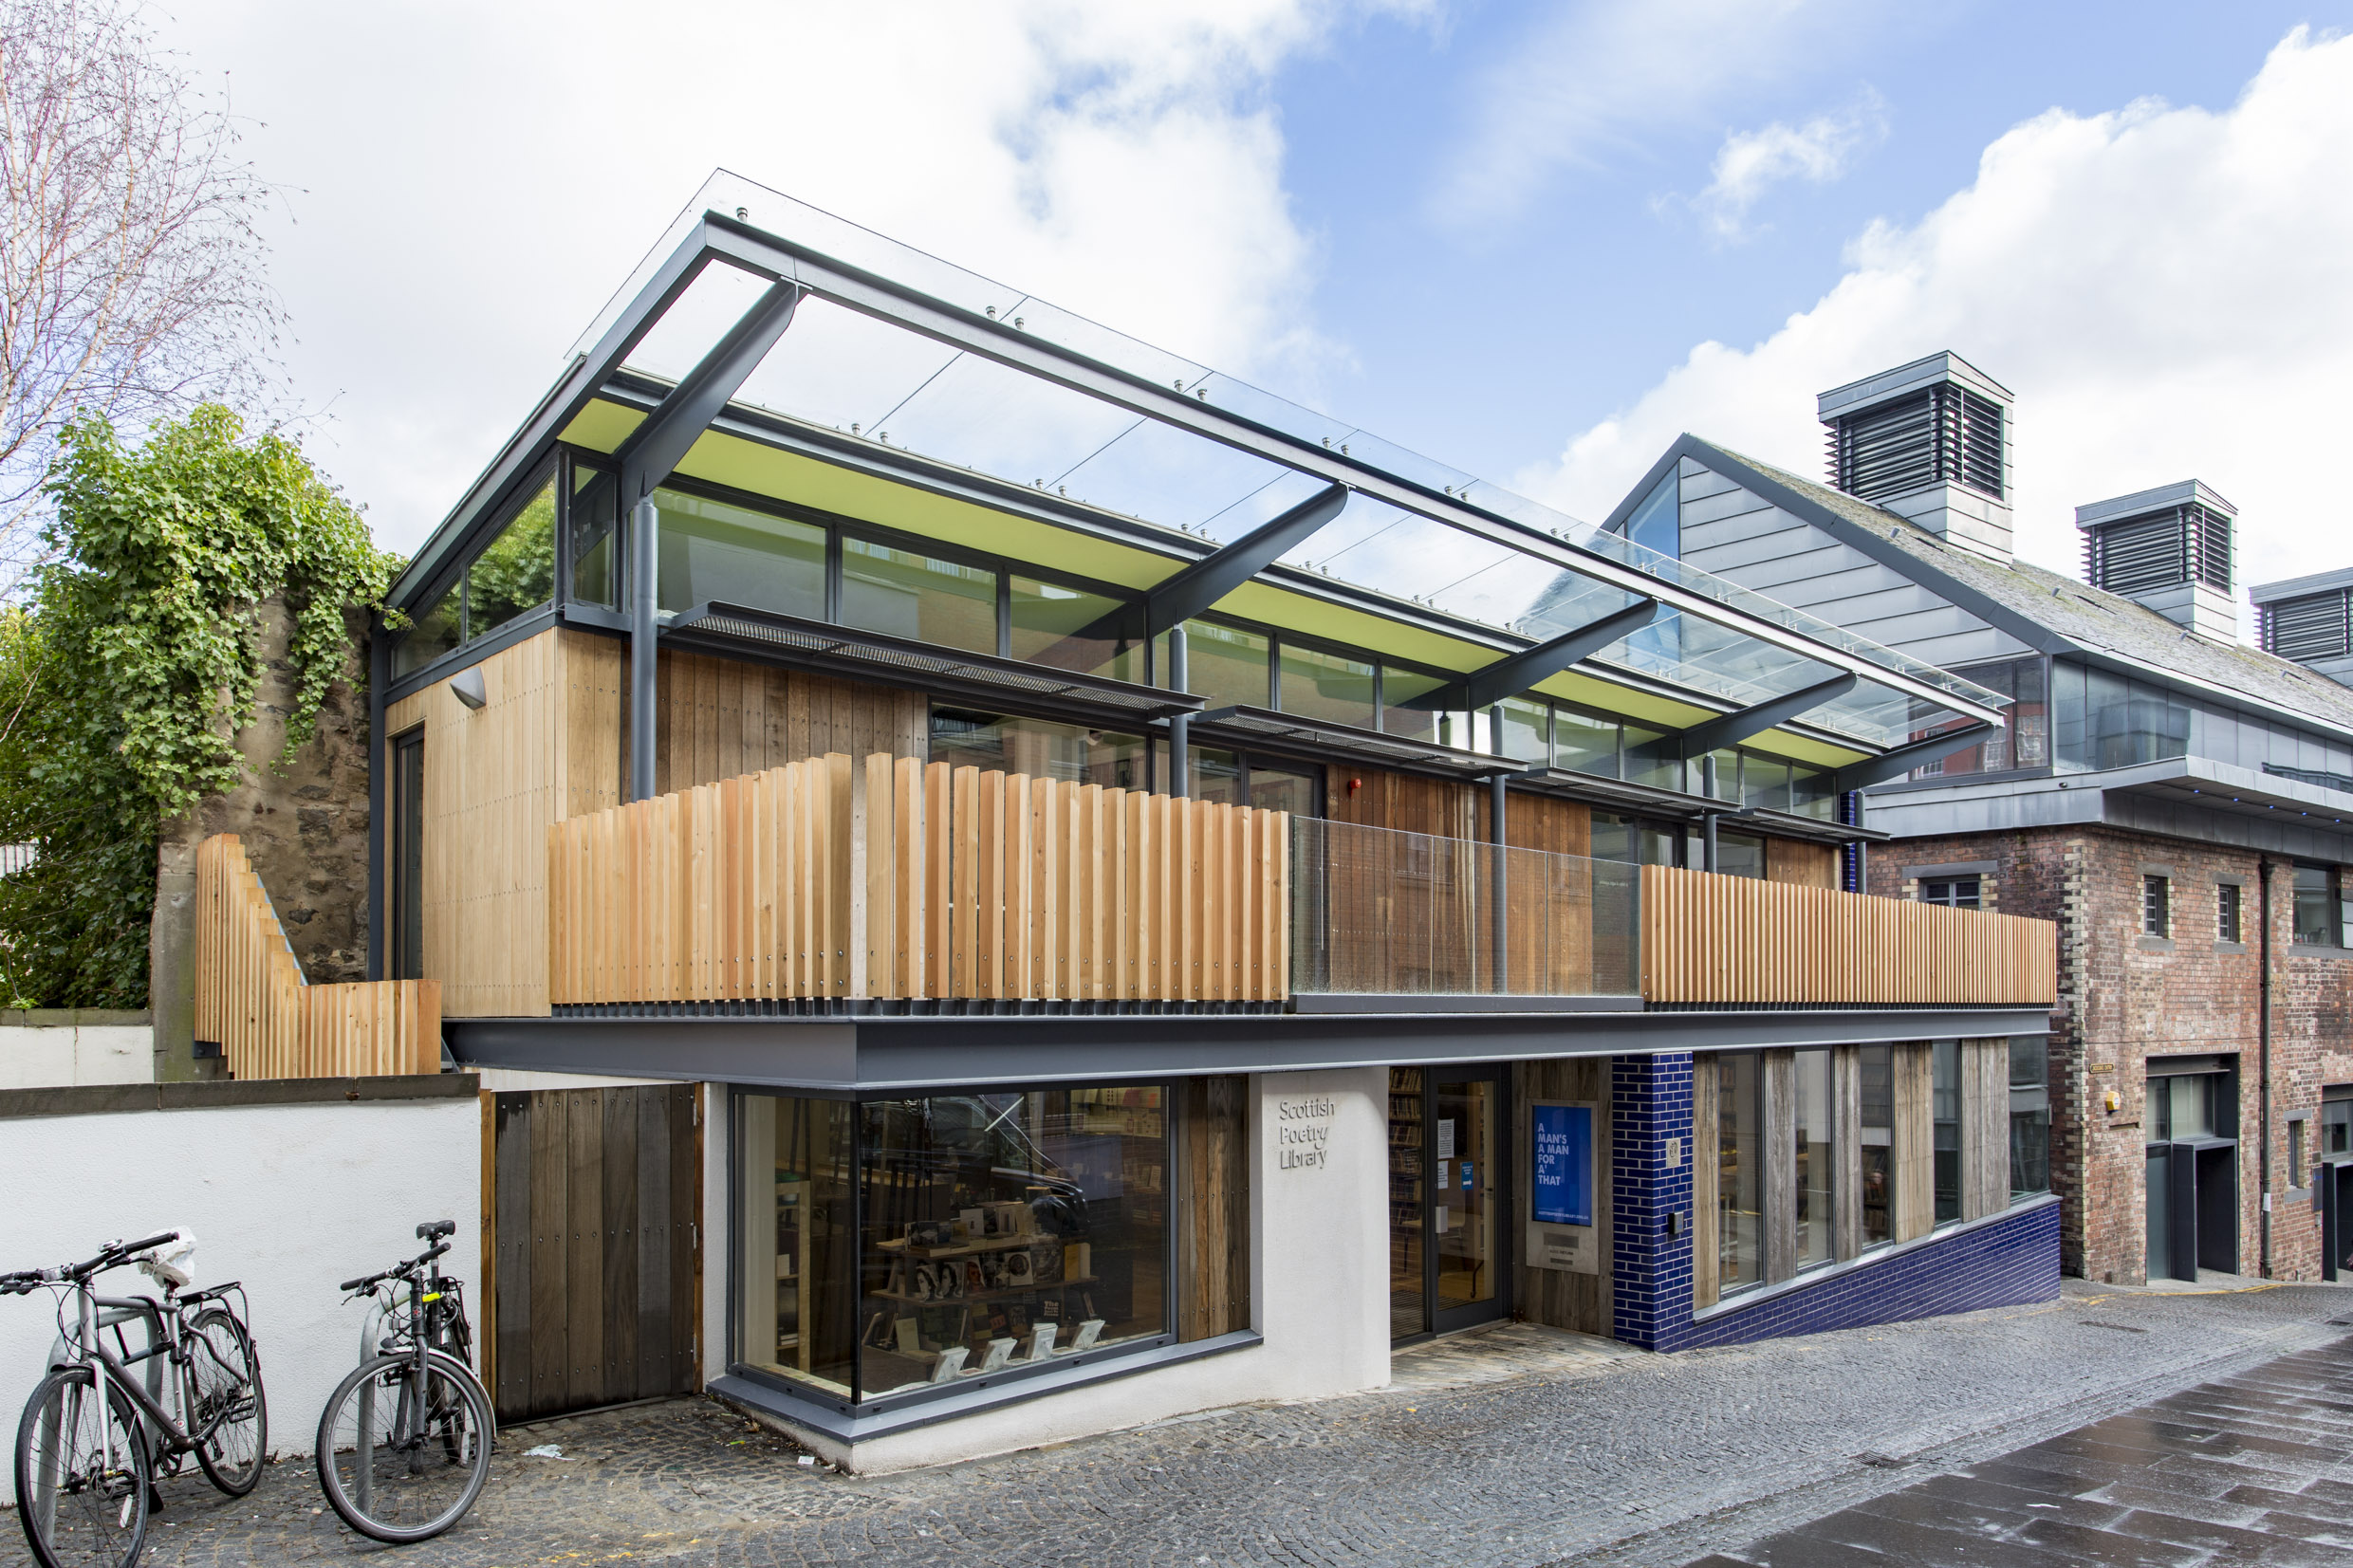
(2124, 998)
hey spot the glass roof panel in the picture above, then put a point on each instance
(969, 411)
(697, 319)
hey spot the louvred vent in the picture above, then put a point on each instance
(1941, 435)
(2315, 626)
(2180, 544)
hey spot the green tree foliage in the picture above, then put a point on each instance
(128, 678)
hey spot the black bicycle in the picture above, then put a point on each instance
(404, 1443)
(95, 1435)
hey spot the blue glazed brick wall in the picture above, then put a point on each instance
(1651, 1272)
(2009, 1261)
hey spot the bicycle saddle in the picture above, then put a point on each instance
(433, 1230)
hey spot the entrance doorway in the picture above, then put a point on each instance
(2191, 1191)
(1450, 1232)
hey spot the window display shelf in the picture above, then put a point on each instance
(965, 1250)
(978, 1295)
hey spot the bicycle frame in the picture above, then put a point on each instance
(95, 1314)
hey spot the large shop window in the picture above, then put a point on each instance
(2030, 1115)
(889, 1246)
(1815, 1166)
(1875, 1071)
(1945, 1101)
(1740, 1173)
(1933, 1123)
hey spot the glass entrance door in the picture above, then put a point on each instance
(1450, 1253)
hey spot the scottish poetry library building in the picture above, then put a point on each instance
(1006, 884)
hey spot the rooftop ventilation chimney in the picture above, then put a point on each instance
(2309, 620)
(1929, 441)
(2168, 548)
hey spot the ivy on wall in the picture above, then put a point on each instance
(125, 681)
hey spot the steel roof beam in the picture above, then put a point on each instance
(1734, 728)
(667, 433)
(1903, 759)
(1508, 677)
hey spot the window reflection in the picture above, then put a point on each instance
(1330, 687)
(1945, 1098)
(1047, 619)
(517, 570)
(902, 594)
(712, 551)
(1815, 1167)
(1739, 1177)
(1008, 1228)
(1875, 1073)
(1038, 747)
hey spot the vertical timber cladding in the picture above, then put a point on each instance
(1553, 1297)
(595, 1285)
(1551, 945)
(1213, 1247)
(550, 744)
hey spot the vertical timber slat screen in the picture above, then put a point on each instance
(836, 879)
(1378, 911)
(253, 1001)
(1711, 939)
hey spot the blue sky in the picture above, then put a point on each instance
(1487, 342)
(1533, 241)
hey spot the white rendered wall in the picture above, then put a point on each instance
(287, 1198)
(1319, 1290)
(65, 1054)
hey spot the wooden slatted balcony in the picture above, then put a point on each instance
(842, 882)
(836, 880)
(1727, 940)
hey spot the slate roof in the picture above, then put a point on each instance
(2069, 613)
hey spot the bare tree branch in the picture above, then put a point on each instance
(131, 266)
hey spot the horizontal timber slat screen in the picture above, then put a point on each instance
(837, 879)
(253, 1001)
(1708, 937)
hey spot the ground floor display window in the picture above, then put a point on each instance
(1822, 1155)
(890, 1246)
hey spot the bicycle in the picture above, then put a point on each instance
(93, 1434)
(404, 1443)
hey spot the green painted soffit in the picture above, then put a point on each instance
(602, 426)
(760, 469)
(1805, 749)
(1296, 611)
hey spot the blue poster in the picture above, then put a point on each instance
(1563, 1164)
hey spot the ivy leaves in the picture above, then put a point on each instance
(138, 663)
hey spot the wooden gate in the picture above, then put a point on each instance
(595, 1294)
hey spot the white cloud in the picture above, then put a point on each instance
(1751, 163)
(2165, 290)
(1592, 77)
(468, 183)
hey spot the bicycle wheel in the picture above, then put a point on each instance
(403, 1455)
(229, 1417)
(81, 1474)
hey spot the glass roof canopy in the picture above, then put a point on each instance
(1442, 545)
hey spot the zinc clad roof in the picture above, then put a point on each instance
(2066, 611)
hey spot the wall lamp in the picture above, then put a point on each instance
(468, 688)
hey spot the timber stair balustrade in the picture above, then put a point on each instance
(269, 1022)
(837, 879)
(1710, 938)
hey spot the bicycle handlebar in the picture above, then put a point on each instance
(109, 1256)
(396, 1270)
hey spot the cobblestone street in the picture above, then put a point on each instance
(1517, 1446)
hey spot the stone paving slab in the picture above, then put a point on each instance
(2089, 1495)
(1571, 1453)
